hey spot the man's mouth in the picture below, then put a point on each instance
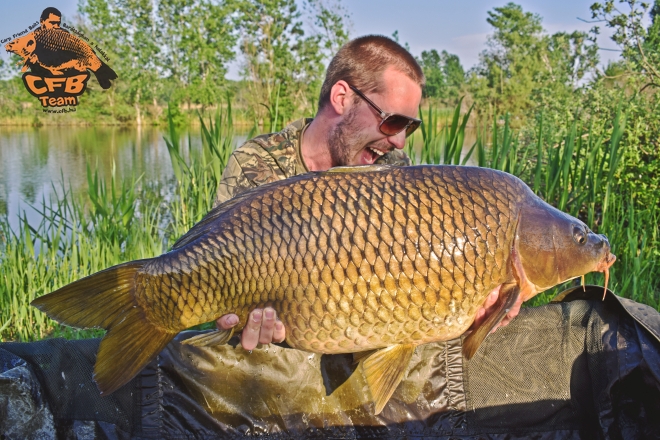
(371, 155)
(377, 152)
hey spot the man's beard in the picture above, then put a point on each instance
(345, 140)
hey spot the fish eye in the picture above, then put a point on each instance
(579, 235)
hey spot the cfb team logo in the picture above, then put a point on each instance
(59, 61)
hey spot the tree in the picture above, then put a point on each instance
(524, 69)
(640, 46)
(436, 84)
(129, 29)
(444, 74)
(282, 65)
(198, 37)
(454, 74)
(512, 59)
(568, 61)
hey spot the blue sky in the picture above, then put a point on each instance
(459, 27)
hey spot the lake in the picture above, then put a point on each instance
(34, 162)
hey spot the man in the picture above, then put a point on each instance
(367, 107)
(51, 18)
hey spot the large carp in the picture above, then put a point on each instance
(374, 259)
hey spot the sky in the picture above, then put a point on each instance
(459, 27)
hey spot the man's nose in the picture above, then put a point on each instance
(398, 140)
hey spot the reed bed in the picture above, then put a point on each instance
(127, 218)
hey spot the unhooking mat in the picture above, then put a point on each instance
(579, 368)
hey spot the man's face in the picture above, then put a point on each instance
(356, 139)
(52, 22)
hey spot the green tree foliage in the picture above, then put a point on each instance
(178, 52)
(454, 72)
(436, 85)
(283, 66)
(634, 82)
(198, 38)
(185, 44)
(524, 69)
(568, 59)
(129, 33)
(444, 74)
(511, 61)
(640, 46)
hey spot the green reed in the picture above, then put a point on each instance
(198, 172)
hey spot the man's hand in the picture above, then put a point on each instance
(489, 307)
(262, 327)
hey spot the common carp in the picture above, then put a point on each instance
(371, 260)
(57, 50)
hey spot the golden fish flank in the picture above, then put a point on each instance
(345, 272)
(369, 258)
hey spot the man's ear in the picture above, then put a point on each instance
(340, 97)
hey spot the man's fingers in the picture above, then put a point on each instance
(515, 309)
(226, 322)
(279, 334)
(250, 335)
(262, 327)
(267, 326)
(491, 299)
(486, 309)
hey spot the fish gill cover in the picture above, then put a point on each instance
(58, 61)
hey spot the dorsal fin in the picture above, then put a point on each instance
(205, 225)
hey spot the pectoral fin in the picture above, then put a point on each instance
(383, 371)
(216, 337)
(507, 298)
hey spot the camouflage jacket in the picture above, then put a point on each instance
(274, 156)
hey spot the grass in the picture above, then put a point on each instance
(576, 169)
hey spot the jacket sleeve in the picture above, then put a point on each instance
(248, 167)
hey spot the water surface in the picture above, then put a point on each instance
(36, 162)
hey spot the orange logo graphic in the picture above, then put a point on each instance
(58, 61)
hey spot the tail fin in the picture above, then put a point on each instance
(106, 300)
(104, 75)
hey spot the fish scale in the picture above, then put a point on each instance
(336, 281)
(370, 260)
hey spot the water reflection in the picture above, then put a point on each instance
(35, 162)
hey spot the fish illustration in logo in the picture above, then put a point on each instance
(56, 50)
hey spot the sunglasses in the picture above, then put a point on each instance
(392, 123)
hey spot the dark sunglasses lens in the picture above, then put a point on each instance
(414, 125)
(393, 124)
